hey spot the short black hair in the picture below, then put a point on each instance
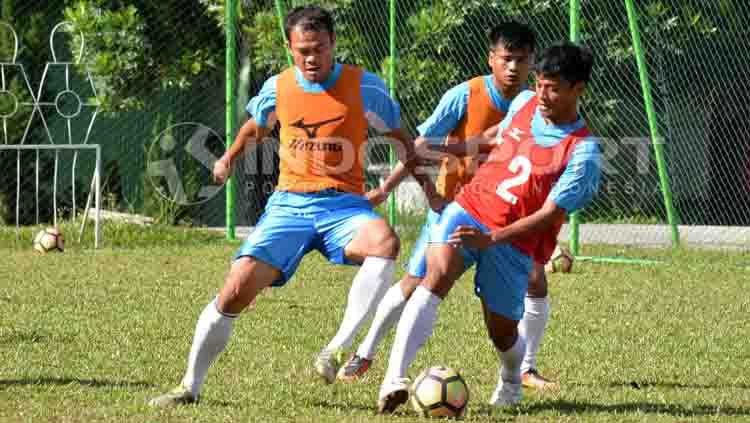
(308, 18)
(512, 35)
(566, 60)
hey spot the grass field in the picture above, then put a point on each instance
(91, 336)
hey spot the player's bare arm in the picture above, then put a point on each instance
(408, 164)
(250, 134)
(540, 221)
(398, 173)
(475, 146)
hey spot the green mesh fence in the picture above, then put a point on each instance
(160, 82)
(438, 44)
(702, 92)
(690, 66)
(142, 79)
(691, 51)
(362, 39)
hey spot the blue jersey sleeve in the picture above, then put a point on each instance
(580, 180)
(518, 102)
(381, 111)
(263, 104)
(447, 114)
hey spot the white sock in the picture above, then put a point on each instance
(414, 328)
(510, 360)
(211, 336)
(388, 312)
(531, 328)
(372, 280)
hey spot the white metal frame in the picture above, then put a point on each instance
(4, 87)
(96, 188)
(93, 104)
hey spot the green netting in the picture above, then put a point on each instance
(160, 65)
(690, 57)
(438, 44)
(157, 69)
(362, 39)
(692, 52)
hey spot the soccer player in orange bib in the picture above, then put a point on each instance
(543, 164)
(324, 109)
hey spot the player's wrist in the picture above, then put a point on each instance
(226, 160)
(496, 237)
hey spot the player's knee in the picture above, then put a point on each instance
(408, 284)
(393, 244)
(438, 280)
(241, 286)
(504, 342)
(386, 243)
(537, 282)
(503, 334)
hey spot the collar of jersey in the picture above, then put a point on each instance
(550, 134)
(315, 87)
(501, 103)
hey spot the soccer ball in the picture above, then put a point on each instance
(439, 392)
(561, 261)
(49, 240)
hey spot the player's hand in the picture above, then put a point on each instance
(376, 196)
(470, 236)
(222, 170)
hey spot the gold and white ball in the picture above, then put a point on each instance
(561, 261)
(49, 240)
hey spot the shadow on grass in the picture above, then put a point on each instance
(567, 407)
(19, 337)
(98, 383)
(644, 384)
(405, 410)
(344, 405)
(90, 383)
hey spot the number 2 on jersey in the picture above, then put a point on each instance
(518, 163)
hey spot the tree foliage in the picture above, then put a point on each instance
(136, 48)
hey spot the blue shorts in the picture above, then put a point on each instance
(502, 275)
(417, 265)
(284, 234)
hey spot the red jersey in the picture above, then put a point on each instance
(517, 179)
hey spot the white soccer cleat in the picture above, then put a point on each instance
(507, 394)
(392, 394)
(176, 397)
(532, 379)
(327, 364)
